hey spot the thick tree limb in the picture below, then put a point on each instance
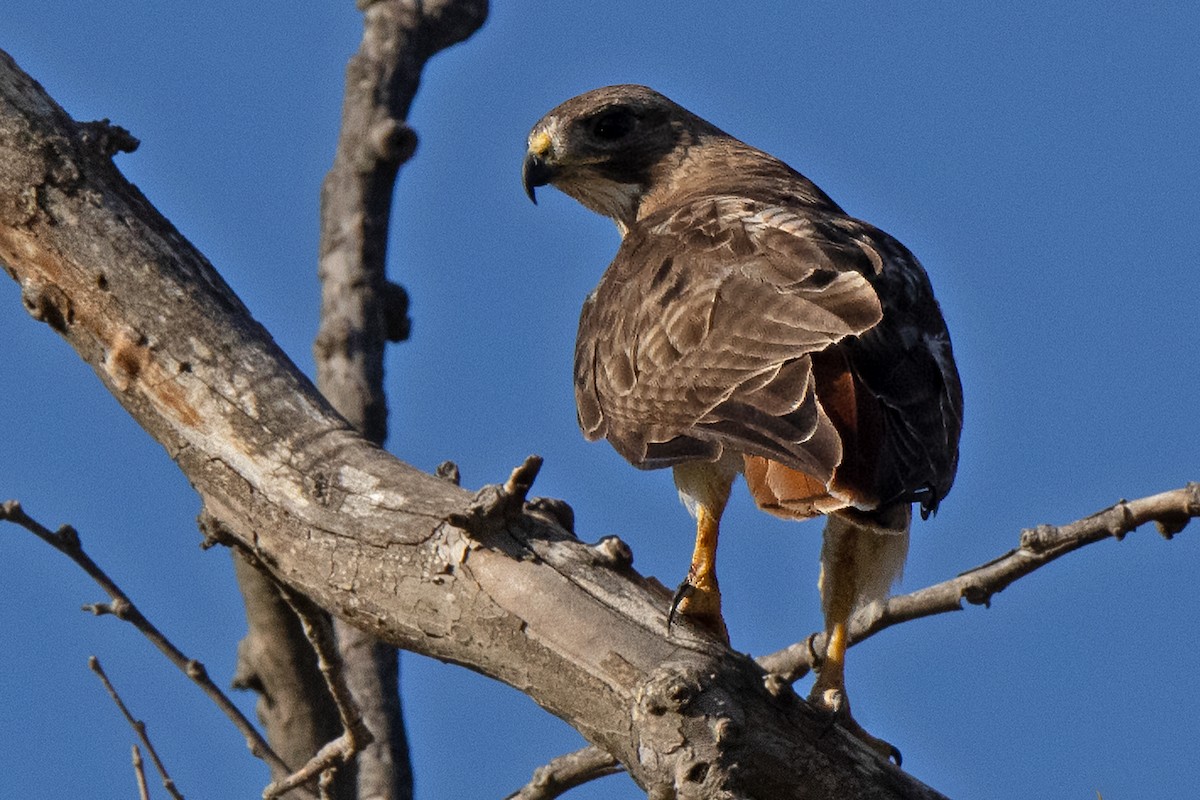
(1170, 511)
(516, 597)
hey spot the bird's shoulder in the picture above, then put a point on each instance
(766, 258)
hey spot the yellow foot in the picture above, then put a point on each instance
(834, 702)
(702, 605)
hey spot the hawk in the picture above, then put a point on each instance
(748, 325)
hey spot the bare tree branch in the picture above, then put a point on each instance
(1038, 546)
(355, 734)
(1170, 511)
(66, 541)
(361, 310)
(139, 772)
(276, 660)
(565, 773)
(139, 728)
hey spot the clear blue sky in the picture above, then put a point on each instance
(1043, 161)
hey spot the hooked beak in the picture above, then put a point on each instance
(535, 172)
(538, 169)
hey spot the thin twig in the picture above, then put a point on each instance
(139, 772)
(355, 734)
(66, 541)
(325, 784)
(566, 772)
(139, 727)
(1171, 511)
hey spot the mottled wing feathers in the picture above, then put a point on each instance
(699, 336)
(807, 341)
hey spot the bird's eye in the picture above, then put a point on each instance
(613, 125)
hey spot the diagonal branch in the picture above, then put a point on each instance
(1038, 546)
(139, 728)
(1170, 511)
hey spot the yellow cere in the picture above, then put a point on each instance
(539, 143)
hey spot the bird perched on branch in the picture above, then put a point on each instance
(748, 325)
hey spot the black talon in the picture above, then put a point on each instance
(816, 659)
(682, 593)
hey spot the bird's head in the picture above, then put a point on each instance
(607, 147)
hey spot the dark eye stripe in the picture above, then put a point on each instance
(613, 124)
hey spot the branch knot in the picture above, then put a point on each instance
(1039, 538)
(392, 141)
(1170, 524)
(498, 504)
(977, 595)
(106, 138)
(613, 552)
(670, 689)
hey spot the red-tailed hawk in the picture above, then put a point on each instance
(749, 325)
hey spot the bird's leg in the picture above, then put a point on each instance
(837, 601)
(845, 568)
(699, 596)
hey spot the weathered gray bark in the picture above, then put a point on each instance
(360, 312)
(501, 590)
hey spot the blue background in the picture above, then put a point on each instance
(1042, 159)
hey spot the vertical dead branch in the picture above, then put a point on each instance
(360, 312)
